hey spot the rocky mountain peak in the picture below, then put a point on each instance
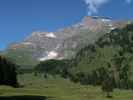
(66, 42)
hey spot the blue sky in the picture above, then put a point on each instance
(18, 18)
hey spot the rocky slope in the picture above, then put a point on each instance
(63, 43)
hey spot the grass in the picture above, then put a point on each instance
(60, 89)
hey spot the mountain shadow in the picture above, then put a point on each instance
(23, 97)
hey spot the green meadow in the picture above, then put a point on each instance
(56, 88)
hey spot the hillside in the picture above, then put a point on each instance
(112, 52)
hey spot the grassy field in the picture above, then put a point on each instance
(60, 89)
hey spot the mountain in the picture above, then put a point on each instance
(113, 53)
(64, 43)
(110, 56)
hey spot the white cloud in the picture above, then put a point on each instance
(128, 1)
(94, 5)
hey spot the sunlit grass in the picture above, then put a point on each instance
(60, 89)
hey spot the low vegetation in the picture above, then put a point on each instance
(57, 88)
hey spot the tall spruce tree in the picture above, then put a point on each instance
(8, 75)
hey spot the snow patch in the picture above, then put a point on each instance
(111, 27)
(26, 43)
(106, 20)
(50, 55)
(50, 35)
